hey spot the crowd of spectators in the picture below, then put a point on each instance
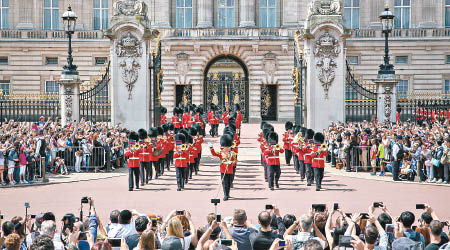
(319, 228)
(411, 152)
(27, 147)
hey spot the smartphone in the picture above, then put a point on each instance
(1, 217)
(27, 205)
(349, 215)
(33, 216)
(420, 206)
(154, 223)
(364, 216)
(335, 206)
(215, 201)
(281, 243)
(180, 212)
(345, 241)
(389, 228)
(218, 218)
(226, 242)
(85, 200)
(115, 242)
(377, 204)
(269, 207)
(319, 207)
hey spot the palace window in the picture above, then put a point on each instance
(5, 87)
(267, 13)
(3, 60)
(51, 15)
(402, 12)
(100, 60)
(226, 13)
(351, 14)
(51, 61)
(401, 59)
(447, 87)
(447, 13)
(402, 89)
(354, 60)
(4, 14)
(184, 14)
(100, 14)
(51, 87)
(447, 61)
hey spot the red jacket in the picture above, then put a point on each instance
(238, 120)
(176, 122)
(318, 158)
(186, 119)
(307, 152)
(287, 138)
(133, 157)
(226, 163)
(180, 158)
(212, 119)
(225, 118)
(198, 120)
(273, 157)
(163, 119)
(156, 146)
(145, 152)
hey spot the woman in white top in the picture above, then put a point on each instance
(175, 229)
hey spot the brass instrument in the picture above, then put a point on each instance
(233, 145)
(277, 147)
(299, 138)
(323, 147)
(183, 147)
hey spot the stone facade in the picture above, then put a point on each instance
(26, 46)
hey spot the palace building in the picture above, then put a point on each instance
(243, 49)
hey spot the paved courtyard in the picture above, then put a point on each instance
(250, 191)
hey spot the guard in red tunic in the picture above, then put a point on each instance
(238, 118)
(152, 149)
(318, 163)
(213, 120)
(307, 152)
(167, 146)
(176, 120)
(161, 143)
(171, 138)
(133, 161)
(180, 158)
(273, 159)
(288, 136)
(163, 115)
(186, 117)
(144, 157)
(227, 159)
(198, 120)
(225, 117)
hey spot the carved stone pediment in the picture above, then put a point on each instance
(129, 46)
(270, 63)
(130, 8)
(324, 7)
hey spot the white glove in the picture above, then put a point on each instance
(210, 144)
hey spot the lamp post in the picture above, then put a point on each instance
(387, 21)
(70, 20)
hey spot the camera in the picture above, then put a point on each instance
(378, 204)
(345, 241)
(180, 212)
(68, 220)
(215, 201)
(364, 216)
(85, 200)
(319, 207)
(27, 205)
(389, 228)
(115, 242)
(2, 216)
(281, 243)
(154, 223)
(335, 206)
(226, 242)
(269, 207)
(33, 216)
(420, 206)
(349, 215)
(218, 218)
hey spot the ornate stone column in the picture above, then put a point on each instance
(205, 14)
(247, 13)
(69, 90)
(386, 98)
(325, 57)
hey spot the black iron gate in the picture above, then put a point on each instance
(94, 103)
(225, 89)
(360, 100)
(183, 95)
(269, 102)
(158, 87)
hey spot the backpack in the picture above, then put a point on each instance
(42, 148)
(400, 152)
(416, 238)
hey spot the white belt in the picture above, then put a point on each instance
(308, 154)
(227, 163)
(180, 158)
(319, 159)
(273, 157)
(145, 153)
(134, 158)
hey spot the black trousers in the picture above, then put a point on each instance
(309, 173)
(395, 170)
(180, 176)
(288, 156)
(266, 175)
(226, 184)
(274, 174)
(171, 156)
(186, 173)
(296, 167)
(30, 172)
(318, 174)
(234, 174)
(196, 164)
(167, 161)
(191, 169)
(161, 165)
(214, 131)
(146, 172)
(156, 167)
(133, 173)
(301, 165)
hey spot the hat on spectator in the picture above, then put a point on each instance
(39, 219)
(171, 243)
(42, 117)
(404, 243)
(399, 137)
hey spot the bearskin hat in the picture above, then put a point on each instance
(163, 110)
(142, 134)
(288, 125)
(226, 140)
(232, 125)
(303, 131)
(212, 107)
(165, 127)
(309, 134)
(192, 131)
(197, 127)
(272, 138)
(171, 126)
(153, 132)
(160, 130)
(319, 138)
(180, 138)
(266, 133)
(133, 136)
(261, 126)
(233, 115)
(237, 107)
(184, 132)
(229, 130)
(269, 127)
(296, 129)
(186, 109)
(176, 111)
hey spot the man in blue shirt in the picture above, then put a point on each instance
(407, 219)
(241, 229)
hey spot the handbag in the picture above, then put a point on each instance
(435, 162)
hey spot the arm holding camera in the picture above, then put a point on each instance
(328, 228)
(429, 210)
(206, 235)
(317, 232)
(93, 222)
(224, 228)
(194, 239)
(291, 229)
(276, 245)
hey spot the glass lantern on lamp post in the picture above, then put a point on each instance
(387, 22)
(70, 19)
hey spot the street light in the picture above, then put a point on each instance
(70, 20)
(387, 21)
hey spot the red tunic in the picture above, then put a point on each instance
(133, 158)
(225, 118)
(163, 119)
(212, 119)
(186, 119)
(226, 163)
(318, 158)
(287, 140)
(180, 158)
(307, 152)
(238, 120)
(145, 152)
(156, 146)
(176, 122)
(273, 155)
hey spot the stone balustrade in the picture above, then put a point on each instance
(50, 34)
(402, 33)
